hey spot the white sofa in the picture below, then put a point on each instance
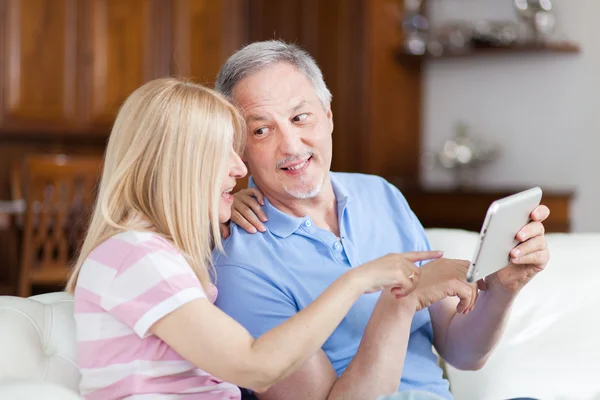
(548, 351)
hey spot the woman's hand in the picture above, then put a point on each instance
(396, 271)
(247, 212)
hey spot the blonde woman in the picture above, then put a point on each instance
(146, 323)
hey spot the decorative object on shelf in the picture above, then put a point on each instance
(494, 33)
(537, 18)
(534, 32)
(464, 37)
(416, 28)
(463, 155)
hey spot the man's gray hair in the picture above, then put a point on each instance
(259, 55)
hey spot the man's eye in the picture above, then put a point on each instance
(300, 117)
(260, 131)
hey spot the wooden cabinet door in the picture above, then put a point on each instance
(123, 46)
(38, 56)
(204, 34)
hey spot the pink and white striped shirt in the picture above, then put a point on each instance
(126, 284)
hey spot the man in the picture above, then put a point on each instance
(321, 223)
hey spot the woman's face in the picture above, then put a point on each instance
(235, 170)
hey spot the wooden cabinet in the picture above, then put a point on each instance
(66, 66)
(199, 39)
(466, 209)
(38, 57)
(121, 44)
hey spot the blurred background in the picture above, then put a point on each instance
(457, 102)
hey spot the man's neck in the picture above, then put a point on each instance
(322, 208)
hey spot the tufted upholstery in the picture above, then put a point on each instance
(39, 344)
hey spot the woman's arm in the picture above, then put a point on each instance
(214, 342)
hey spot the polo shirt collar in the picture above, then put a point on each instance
(283, 225)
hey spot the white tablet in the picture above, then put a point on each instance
(504, 219)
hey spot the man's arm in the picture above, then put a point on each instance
(375, 369)
(467, 341)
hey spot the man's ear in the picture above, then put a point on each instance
(330, 117)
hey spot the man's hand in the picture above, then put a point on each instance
(445, 278)
(527, 259)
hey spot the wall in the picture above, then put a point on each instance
(544, 109)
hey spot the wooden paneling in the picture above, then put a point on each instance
(204, 34)
(340, 54)
(38, 79)
(393, 99)
(122, 49)
(196, 39)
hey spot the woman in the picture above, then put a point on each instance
(146, 323)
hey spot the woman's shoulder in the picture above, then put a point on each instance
(134, 259)
(134, 245)
(145, 239)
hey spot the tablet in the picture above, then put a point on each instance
(504, 219)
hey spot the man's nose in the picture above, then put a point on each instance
(290, 141)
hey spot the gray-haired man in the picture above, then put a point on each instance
(321, 223)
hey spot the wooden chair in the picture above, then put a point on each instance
(59, 192)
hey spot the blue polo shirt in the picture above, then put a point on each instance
(265, 278)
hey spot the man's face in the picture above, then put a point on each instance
(289, 132)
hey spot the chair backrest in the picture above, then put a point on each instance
(37, 339)
(59, 192)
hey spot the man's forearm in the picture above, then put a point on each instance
(377, 366)
(471, 338)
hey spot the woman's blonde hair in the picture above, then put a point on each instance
(163, 168)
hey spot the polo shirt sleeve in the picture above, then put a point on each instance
(421, 237)
(264, 305)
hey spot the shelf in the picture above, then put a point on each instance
(554, 47)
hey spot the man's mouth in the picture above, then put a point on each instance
(298, 165)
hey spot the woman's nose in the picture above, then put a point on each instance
(238, 168)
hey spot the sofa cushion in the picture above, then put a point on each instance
(37, 339)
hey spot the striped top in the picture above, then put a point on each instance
(126, 284)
